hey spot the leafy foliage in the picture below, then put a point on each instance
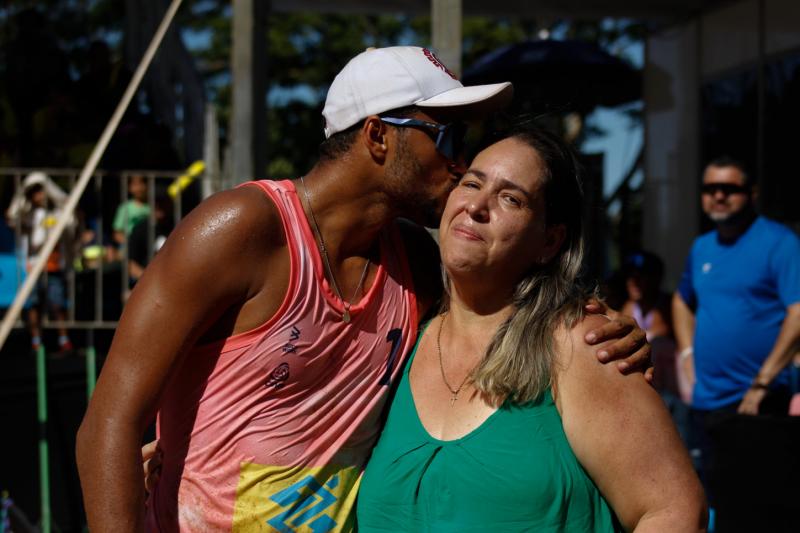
(304, 50)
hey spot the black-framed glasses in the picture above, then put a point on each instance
(726, 188)
(449, 138)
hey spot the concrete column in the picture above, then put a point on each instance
(672, 146)
(249, 95)
(211, 178)
(446, 21)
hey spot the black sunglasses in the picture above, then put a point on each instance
(449, 138)
(726, 188)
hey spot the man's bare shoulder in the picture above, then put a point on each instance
(230, 250)
(240, 227)
(243, 218)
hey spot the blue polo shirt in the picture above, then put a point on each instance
(740, 293)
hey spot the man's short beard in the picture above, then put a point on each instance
(404, 177)
(720, 218)
(733, 219)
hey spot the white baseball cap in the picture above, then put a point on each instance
(34, 178)
(381, 79)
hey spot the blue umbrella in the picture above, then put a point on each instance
(572, 74)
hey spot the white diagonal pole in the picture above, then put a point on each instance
(86, 174)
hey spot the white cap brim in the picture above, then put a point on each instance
(478, 98)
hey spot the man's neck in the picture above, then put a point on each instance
(349, 210)
(730, 230)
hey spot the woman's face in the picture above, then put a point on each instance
(38, 197)
(494, 220)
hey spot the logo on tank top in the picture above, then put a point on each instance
(282, 372)
(292, 499)
(294, 334)
(706, 268)
(278, 376)
(305, 504)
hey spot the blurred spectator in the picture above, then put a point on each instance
(133, 211)
(140, 246)
(35, 210)
(646, 302)
(650, 307)
(737, 309)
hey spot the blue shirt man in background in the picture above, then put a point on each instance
(736, 312)
(737, 308)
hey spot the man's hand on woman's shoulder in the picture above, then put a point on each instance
(629, 348)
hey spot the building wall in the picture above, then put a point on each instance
(782, 20)
(671, 98)
(729, 38)
(724, 81)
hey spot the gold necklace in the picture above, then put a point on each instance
(453, 392)
(345, 304)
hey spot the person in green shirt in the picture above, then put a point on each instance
(504, 420)
(133, 211)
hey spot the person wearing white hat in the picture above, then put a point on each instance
(267, 332)
(35, 210)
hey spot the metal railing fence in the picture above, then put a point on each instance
(96, 267)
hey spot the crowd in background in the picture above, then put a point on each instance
(87, 247)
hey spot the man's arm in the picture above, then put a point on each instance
(204, 274)
(781, 355)
(683, 323)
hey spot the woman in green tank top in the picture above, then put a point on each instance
(503, 419)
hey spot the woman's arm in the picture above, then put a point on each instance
(623, 436)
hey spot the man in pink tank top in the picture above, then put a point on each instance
(266, 333)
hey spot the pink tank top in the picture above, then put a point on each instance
(269, 430)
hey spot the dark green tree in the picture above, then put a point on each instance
(305, 51)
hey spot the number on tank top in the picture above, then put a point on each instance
(395, 336)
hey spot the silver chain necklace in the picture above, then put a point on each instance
(345, 304)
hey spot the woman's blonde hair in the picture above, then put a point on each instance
(519, 360)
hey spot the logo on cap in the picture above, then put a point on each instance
(438, 64)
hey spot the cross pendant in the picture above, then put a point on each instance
(453, 399)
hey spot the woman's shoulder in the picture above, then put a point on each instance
(577, 367)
